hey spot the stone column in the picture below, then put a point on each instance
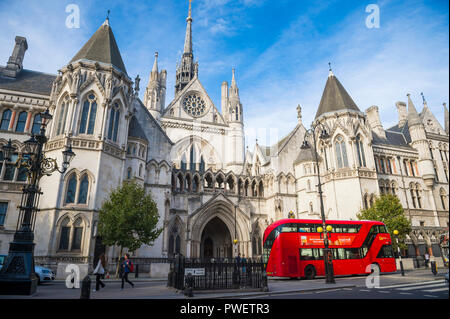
(27, 124)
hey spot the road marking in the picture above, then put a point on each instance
(384, 292)
(405, 293)
(414, 284)
(421, 287)
(431, 296)
(437, 290)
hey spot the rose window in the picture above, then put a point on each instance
(194, 105)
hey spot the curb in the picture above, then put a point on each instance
(269, 293)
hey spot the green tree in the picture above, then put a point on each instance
(388, 210)
(129, 218)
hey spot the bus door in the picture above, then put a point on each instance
(347, 261)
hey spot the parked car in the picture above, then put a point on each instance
(44, 274)
(2, 260)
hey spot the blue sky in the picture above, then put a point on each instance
(280, 49)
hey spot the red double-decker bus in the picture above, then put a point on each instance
(294, 248)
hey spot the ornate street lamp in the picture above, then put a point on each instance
(327, 255)
(17, 275)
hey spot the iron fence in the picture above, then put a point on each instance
(217, 274)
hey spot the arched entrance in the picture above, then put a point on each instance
(216, 240)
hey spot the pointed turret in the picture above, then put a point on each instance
(234, 117)
(419, 142)
(187, 68)
(234, 100)
(413, 115)
(102, 47)
(155, 93)
(335, 97)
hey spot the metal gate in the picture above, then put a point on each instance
(217, 274)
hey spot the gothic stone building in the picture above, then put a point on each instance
(190, 156)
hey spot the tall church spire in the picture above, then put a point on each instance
(188, 37)
(187, 69)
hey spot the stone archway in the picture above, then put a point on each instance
(216, 240)
(229, 221)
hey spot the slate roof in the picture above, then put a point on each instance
(29, 81)
(102, 47)
(135, 129)
(335, 98)
(306, 155)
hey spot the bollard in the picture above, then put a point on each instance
(401, 267)
(434, 268)
(86, 288)
(136, 274)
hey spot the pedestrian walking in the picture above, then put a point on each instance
(99, 271)
(127, 267)
(427, 259)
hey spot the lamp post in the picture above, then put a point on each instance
(327, 255)
(17, 276)
(396, 232)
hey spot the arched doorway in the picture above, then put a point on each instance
(216, 240)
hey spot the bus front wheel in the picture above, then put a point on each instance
(310, 272)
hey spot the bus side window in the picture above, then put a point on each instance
(306, 254)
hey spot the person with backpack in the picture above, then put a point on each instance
(99, 271)
(127, 267)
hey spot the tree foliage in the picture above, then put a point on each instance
(129, 218)
(388, 210)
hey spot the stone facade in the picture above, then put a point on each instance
(191, 157)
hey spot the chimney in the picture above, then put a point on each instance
(374, 121)
(402, 113)
(15, 62)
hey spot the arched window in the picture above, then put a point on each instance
(195, 183)
(140, 170)
(71, 189)
(77, 234)
(418, 195)
(413, 195)
(311, 208)
(341, 152)
(61, 124)
(21, 121)
(64, 235)
(360, 150)
(36, 128)
(129, 173)
(114, 115)
(88, 114)
(309, 185)
(237, 113)
(192, 159)
(183, 163)
(202, 165)
(6, 117)
(84, 187)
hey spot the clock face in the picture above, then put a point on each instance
(194, 105)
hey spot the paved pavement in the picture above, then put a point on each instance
(415, 284)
